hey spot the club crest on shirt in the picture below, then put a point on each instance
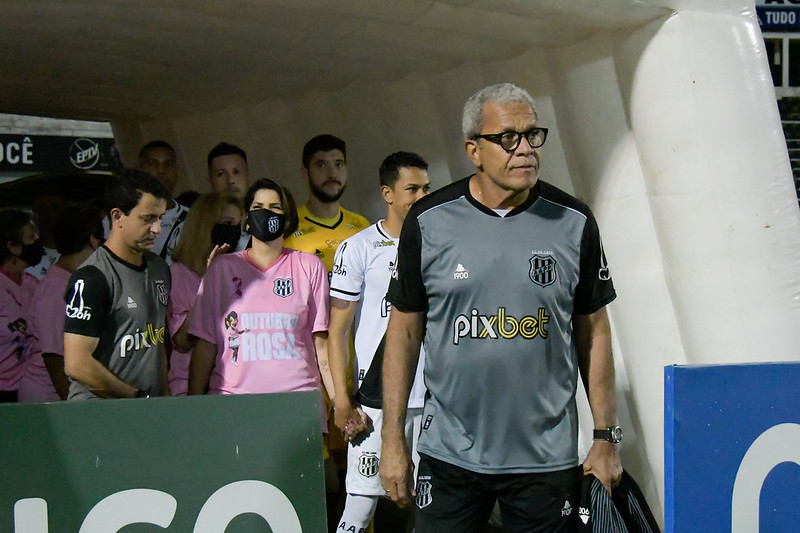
(424, 497)
(543, 269)
(368, 464)
(283, 287)
(161, 291)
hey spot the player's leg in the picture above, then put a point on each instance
(358, 512)
(362, 482)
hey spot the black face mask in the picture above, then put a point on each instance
(32, 253)
(266, 225)
(226, 234)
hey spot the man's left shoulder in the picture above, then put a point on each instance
(156, 264)
(551, 193)
(354, 220)
(154, 260)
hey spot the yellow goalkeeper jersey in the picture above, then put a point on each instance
(321, 236)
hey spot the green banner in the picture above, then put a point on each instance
(204, 464)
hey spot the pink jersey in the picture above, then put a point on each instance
(262, 322)
(16, 329)
(47, 310)
(47, 314)
(185, 282)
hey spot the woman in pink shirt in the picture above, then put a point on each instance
(280, 300)
(77, 233)
(19, 248)
(212, 227)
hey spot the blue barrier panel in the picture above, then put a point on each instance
(732, 448)
(209, 464)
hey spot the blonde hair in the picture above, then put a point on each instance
(194, 244)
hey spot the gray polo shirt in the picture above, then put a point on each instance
(125, 307)
(499, 294)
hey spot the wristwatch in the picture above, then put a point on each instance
(142, 394)
(612, 434)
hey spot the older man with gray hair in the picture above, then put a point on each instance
(504, 277)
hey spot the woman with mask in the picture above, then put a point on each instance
(212, 228)
(19, 248)
(280, 300)
(77, 233)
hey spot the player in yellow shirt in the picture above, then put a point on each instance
(323, 224)
(321, 236)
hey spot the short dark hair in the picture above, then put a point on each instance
(224, 148)
(74, 226)
(323, 143)
(155, 144)
(390, 168)
(126, 187)
(12, 225)
(287, 202)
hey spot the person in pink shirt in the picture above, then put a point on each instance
(212, 227)
(280, 300)
(77, 233)
(19, 248)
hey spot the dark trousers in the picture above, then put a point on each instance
(451, 499)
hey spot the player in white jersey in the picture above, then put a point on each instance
(158, 158)
(362, 269)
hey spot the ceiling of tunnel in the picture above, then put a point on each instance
(126, 60)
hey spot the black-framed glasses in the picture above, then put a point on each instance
(509, 140)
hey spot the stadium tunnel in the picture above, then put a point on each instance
(662, 118)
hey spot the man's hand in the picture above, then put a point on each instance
(603, 462)
(350, 420)
(397, 471)
(400, 355)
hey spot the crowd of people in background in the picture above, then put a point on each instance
(240, 290)
(224, 292)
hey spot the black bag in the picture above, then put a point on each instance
(625, 511)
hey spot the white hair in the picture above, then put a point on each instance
(472, 119)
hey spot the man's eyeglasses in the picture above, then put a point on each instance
(509, 140)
